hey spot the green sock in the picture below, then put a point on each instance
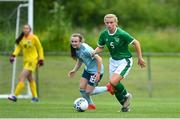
(120, 92)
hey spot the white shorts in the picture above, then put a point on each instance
(121, 67)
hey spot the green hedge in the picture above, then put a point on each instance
(156, 23)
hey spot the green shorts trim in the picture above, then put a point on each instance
(125, 70)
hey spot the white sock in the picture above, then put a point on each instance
(98, 90)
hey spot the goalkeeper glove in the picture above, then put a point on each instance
(12, 58)
(41, 62)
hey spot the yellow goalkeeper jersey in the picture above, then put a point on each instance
(31, 48)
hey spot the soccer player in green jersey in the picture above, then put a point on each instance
(117, 41)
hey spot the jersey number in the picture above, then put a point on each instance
(112, 45)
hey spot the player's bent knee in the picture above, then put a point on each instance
(114, 82)
(116, 78)
(82, 86)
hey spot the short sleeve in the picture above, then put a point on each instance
(127, 37)
(101, 41)
(88, 51)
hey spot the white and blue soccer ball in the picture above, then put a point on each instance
(80, 104)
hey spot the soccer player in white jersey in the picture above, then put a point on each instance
(93, 72)
(117, 41)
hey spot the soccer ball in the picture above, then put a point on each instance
(80, 104)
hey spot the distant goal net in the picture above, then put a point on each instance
(14, 14)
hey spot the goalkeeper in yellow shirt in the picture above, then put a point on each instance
(33, 56)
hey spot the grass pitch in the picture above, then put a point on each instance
(58, 92)
(108, 108)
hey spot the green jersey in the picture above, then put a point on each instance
(117, 43)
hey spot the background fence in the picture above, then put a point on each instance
(162, 73)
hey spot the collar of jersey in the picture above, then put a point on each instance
(112, 33)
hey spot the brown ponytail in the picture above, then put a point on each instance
(73, 53)
(18, 40)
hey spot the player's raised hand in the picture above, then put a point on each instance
(141, 62)
(71, 73)
(12, 58)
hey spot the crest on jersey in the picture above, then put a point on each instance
(28, 43)
(116, 39)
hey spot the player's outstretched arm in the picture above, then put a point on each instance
(97, 50)
(75, 69)
(40, 51)
(137, 46)
(15, 53)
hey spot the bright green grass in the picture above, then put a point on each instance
(107, 108)
(57, 91)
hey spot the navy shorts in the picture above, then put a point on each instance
(91, 80)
